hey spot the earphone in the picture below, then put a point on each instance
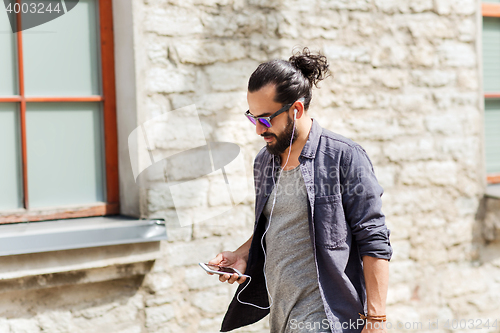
(275, 184)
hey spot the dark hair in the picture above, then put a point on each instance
(293, 79)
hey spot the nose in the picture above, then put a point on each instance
(259, 128)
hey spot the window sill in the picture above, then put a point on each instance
(86, 250)
(79, 233)
(493, 191)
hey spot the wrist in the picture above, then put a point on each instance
(376, 309)
(243, 251)
(374, 317)
(241, 254)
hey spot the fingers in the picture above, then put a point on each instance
(232, 278)
(242, 279)
(224, 278)
(222, 260)
(217, 260)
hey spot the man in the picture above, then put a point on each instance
(318, 256)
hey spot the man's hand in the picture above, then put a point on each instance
(230, 259)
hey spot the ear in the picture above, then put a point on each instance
(299, 106)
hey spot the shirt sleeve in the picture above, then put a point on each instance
(362, 203)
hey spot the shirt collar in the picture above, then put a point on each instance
(309, 150)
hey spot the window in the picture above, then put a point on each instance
(491, 82)
(58, 136)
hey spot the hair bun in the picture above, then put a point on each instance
(314, 67)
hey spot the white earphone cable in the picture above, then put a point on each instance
(275, 186)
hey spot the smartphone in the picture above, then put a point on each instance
(221, 270)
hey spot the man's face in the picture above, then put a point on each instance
(261, 104)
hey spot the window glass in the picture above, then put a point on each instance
(61, 57)
(492, 135)
(10, 158)
(491, 54)
(65, 153)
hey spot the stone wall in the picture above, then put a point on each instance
(406, 86)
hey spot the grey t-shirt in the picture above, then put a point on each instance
(290, 269)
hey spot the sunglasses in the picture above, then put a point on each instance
(266, 121)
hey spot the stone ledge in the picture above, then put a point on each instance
(78, 266)
(76, 277)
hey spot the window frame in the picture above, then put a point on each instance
(108, 99)
(491, 10)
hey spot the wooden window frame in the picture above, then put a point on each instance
(491, 10)
(108, 98)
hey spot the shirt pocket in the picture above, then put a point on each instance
(330, 226)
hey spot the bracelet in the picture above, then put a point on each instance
(376, 318)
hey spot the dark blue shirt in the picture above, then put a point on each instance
(345, 223)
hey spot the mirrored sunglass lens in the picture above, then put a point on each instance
(251, 119)
(265, 122)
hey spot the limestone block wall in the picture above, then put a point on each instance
(406, 86)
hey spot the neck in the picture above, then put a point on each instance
(303, 127)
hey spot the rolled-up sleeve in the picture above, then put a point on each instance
(362, 203)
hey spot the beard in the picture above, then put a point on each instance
(282, 140)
